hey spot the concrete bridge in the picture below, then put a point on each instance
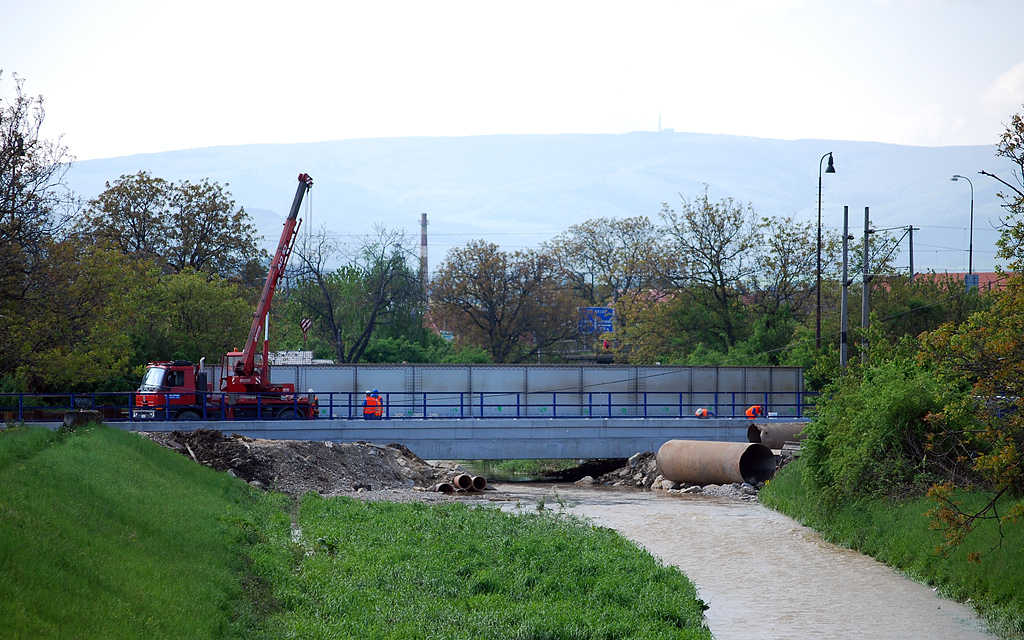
(490, 439)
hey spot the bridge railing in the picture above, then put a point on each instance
(116, 407)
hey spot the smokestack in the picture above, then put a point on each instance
(423, 251)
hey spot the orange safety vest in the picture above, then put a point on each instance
(379, 410)
(755, 411)
(701, 413)
(369, 406)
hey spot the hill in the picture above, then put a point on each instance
(519, 190)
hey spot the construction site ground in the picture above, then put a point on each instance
(371, 471)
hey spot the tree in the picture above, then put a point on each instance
(514, 305)
(35, 205)
(1011, 240)
(785, 266)
(986, 427)
(716, 240)
(177, 225)
(608, 257)
(376, 291)
(188, 316)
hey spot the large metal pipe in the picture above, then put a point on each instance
(479, 483)
(775, 435)
(463, 481)
(699, 462)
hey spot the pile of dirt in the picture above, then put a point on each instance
(294, 467)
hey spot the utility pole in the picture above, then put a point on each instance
(424, 278)
(910, 232)
(865, 294)
(844, 305)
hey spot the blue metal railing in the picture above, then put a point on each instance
(115, 407)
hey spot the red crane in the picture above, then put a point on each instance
(179, 390)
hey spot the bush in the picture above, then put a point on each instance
(872, 435)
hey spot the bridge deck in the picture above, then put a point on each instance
(474, 439)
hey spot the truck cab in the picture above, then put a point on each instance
(175, 390)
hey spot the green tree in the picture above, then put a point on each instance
(179, 226)
(606, 258)
(716, 241)
(513, 305)
(188, 316)
(1011, 147)
(375, 294)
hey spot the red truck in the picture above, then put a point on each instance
(180, 390)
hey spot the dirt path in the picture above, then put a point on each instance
(764, 575)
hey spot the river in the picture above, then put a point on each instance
(762, 574)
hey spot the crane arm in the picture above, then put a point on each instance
(277, 266)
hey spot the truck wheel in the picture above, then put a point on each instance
(286, 414)
(189, 415)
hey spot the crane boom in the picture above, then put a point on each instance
(247, 365)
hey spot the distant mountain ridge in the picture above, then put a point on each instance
(519, 190)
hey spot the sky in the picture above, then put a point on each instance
(121, 77)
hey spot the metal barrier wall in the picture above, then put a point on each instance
(537, 389)
(115, 407)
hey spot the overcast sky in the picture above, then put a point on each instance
(126, 76)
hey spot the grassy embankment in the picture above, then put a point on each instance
(898, 534)
(106, 535)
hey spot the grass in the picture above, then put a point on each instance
(385, 570)
(104, 534)
(898, 534)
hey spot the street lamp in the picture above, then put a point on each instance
(817, 321)
(970, 245)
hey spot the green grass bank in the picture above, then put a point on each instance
(898, 534)
(104, 534)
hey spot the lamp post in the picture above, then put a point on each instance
(970, 242)
(817, 320)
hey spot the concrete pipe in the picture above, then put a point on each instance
(463, 481)
(479, 483)
(700, 462)
(774, 435)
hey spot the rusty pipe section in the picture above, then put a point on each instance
(775, 435)
(699, 462)
(479, 483)
(463, 481)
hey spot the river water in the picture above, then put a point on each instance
(762, 574)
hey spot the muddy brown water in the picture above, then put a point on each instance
(762, 574)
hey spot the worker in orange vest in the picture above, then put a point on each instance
(703, 413)
(370, 407)
(755, 411)
(378, 410)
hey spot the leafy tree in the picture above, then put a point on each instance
(188, 316)
(513, 305)
(716, 240)
(785, 269)
(179, 226)
(70, 332)
(1011, 147)
(609, 257)
(986, 351)
(376, 292)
